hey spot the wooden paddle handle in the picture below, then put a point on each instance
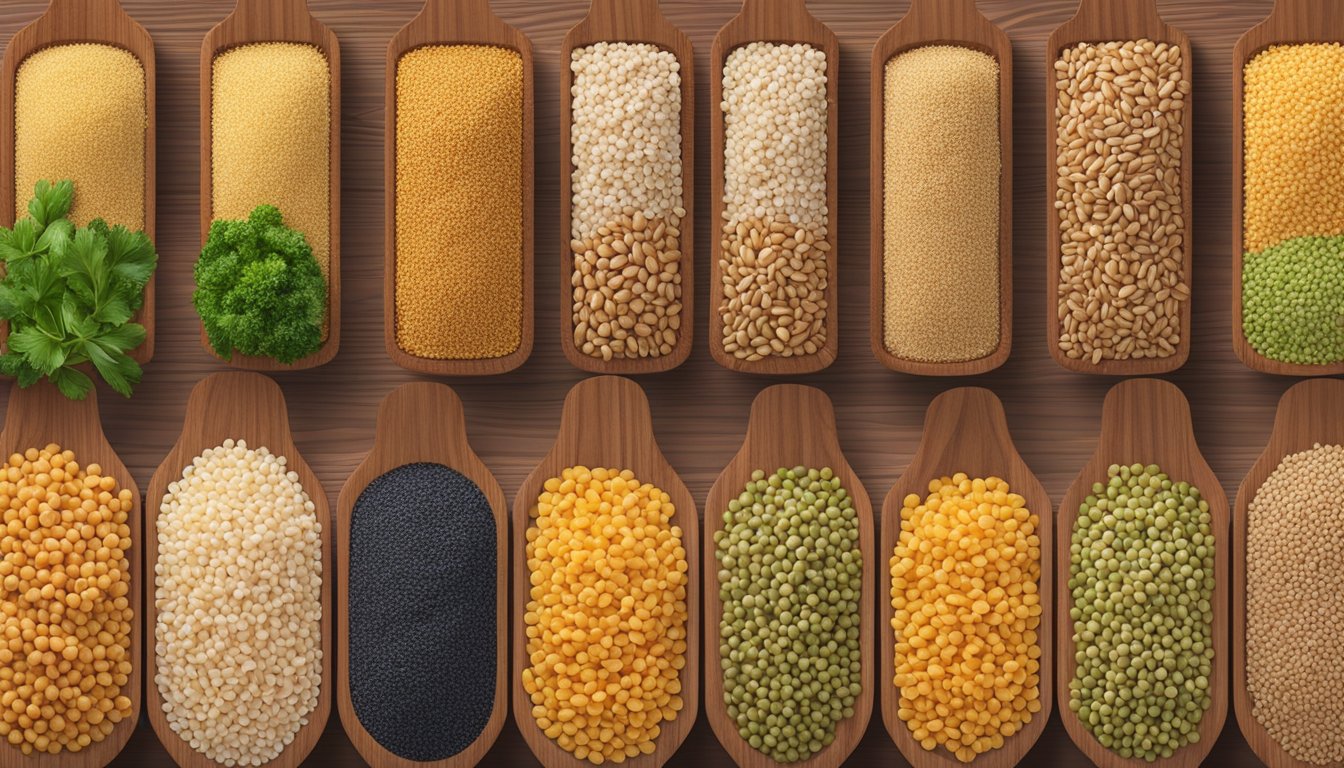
(1306, 15)
(763, 8)
(266, 7)
(1109, 7)
(966, 413)
(612, 10)
(476, 9)
(608, 416)
(1137, 414)
(806, 410)
(75, 8)
(42, 408)
(420, 419)
(938, 9)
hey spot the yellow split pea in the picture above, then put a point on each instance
(606, 615)
(459, 203)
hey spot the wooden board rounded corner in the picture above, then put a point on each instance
(1098, 21)
(776, 438)
(461, 22)
(1146, 421)
(606, 423)
(247, 406)
(966, 430)
(956, 23)
(263, 21)
(630, 21)
(34, 418)
(421, 422)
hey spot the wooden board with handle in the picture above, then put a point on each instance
(790, 426)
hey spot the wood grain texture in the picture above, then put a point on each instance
(1308, 414)
(1290, 21)
(965, 430)
(461, 22)
(629, 21)
(241, 406)
(606, 423)
(1100, 21)
(82, 21)
(790, 425)
(1145, 421)
(420, 422)
(700, 410)
(785, 22)
(940, 22)
(35, 418)
(265, 21)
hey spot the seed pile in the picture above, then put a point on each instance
(965, 580)
(459, 174)
(1141, 575)
(774, 248)
(66, 654)
(238, 589)
(1122, 219)
(626, 200)
(1293, 208)
(790, 578)
(422, 612)
(270, 136)
(941, 174)
(606, 614)
(1295, 604)
(80, 114)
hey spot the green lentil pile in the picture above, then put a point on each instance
(1141, 576)
(1293, 300)
(790, 576)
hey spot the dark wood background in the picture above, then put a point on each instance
(699, 410)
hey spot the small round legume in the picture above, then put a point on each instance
(1293, 300)
(422, 611)
(606, 614)
(1141, 576)
(790, 577)
(1295, 604)
(965, 579)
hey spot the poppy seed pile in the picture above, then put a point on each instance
(422, 610)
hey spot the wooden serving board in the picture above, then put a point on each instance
(268, 21)
(251, 407)
(965, 430)
(82, 21)
(940, 22)
(785, 22)
(791, 425)
(629, 21)
(1291, 21)
(454, 22)
(420, 422)
(1308, 414)
(36, 417)
(1101, 21)
(1145, 421)
(606, 423)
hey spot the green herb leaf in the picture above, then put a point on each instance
(72, 383)
(51, 201)
(41, 350)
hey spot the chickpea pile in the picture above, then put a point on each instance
(606, 617)
(65, 655)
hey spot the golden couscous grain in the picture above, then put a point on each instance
(459, 204)
(941, 294)
(80, 114)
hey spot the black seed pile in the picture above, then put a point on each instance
(422, 611)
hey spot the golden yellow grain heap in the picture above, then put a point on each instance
(271, 135)
(80, 114)
(941, 299)
(459, 209)
(964, 585)
(606, 614)
(1293, 139)
(66, 604)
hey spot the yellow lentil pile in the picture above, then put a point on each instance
(1119, 146)
(964, 586)
(271, 135)
(66, 608)
(941, 295)
(1293, 139)
(459, 129)
(1295, 605)
(606, 614)
(80, 114)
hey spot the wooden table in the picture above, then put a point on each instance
(699, 410)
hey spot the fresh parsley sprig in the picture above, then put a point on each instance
(69, 294)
